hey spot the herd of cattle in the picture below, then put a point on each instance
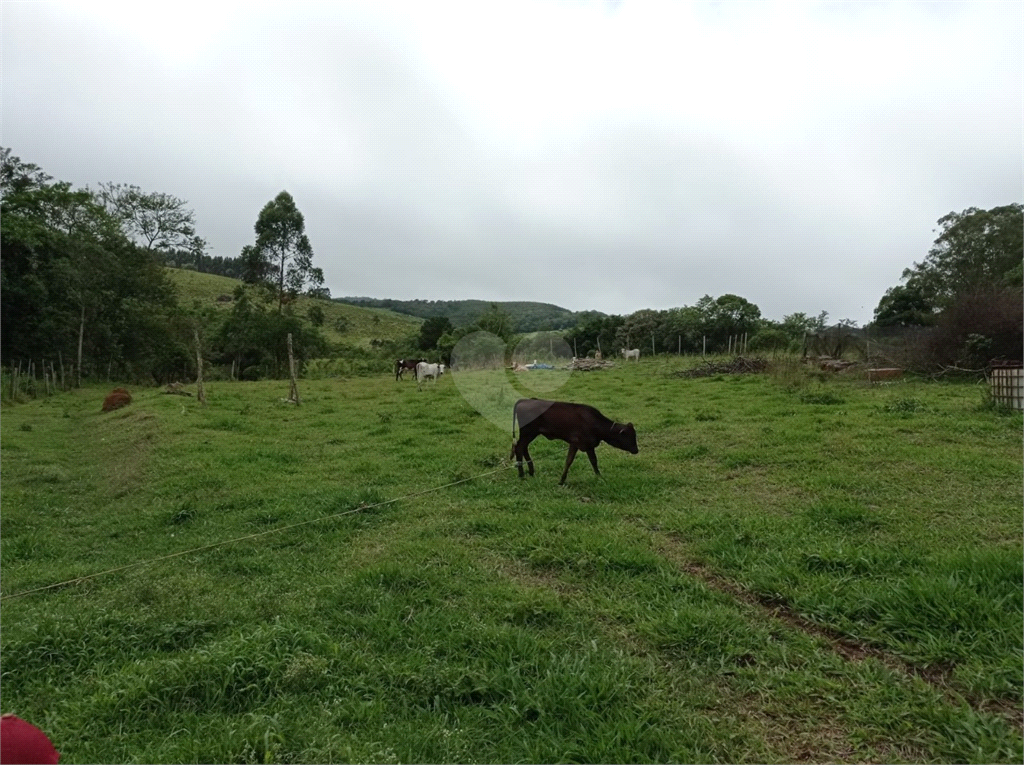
(421, 369)
(582, 427)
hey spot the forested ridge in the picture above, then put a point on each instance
(527, 316)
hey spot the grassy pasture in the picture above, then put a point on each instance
(363, 324)
(789, 570)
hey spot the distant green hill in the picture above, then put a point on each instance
(363, 324)
(529, 316)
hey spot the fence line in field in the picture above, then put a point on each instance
(80, 579)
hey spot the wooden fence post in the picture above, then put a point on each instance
(293, 394)
(200, 392)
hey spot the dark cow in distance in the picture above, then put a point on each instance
(582, 426)
(405, 365)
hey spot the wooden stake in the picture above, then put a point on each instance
(293, 394)
(704, 350)
(61, 358)
(81, 335)
(200, 392)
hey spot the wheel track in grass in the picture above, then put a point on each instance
(849, 648)
(826, 741)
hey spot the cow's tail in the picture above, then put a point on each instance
(515, 408)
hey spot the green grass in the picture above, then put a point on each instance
(364, 325)
(791, 569)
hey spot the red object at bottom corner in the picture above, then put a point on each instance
(22, 743)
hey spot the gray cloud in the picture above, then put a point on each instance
(796, 155)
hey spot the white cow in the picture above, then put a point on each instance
(425, 370)
(632, 354)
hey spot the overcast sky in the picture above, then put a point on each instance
(596, 155)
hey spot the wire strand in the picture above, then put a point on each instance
(136, 564)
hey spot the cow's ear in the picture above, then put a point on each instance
(629, 426)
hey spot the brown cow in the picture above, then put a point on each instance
(405, 365)
(582, 426)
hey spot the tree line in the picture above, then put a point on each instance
(84, 288)
(967, 293)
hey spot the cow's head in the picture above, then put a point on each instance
(623, 437)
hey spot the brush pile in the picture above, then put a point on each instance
(589, 365)
(737, 366)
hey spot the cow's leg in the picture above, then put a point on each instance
(522, 450)
(568, 462)
(526, 452)
(529, 459)
(593, 460)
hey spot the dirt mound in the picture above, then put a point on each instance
(116, 399)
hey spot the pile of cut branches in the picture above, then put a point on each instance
(737, 366)
(588, 365)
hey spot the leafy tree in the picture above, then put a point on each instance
(72, 282)
(16, 176)
(975, 249)
(681, 327)
(796, 325)
(597, 331)
(726, 316)
(445, 345)
(904, 305)
(637, 329)
(498, 321)
(282, 253)
(769, 339)
(255, 338)
(316, 316)
(432, 329)
(155, 221)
